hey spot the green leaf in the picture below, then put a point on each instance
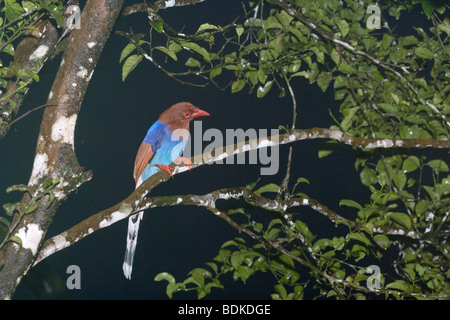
(263, 90)
(424, 53)
(215, 72)
(236, 259)
(343, 27)
(321, 244)
(437, 165)
(126, 51)
(445, 27)
(345, 124)
(368, 177)
(300, 73)
(238, 242)
(335, 56)
(130, 64)
(398, 285)
(272, 23)
(388, 107)
(346, 68)
(323, 80)
(28, 5)
(31, 207)
(303, 228)
(17, 187)
(16, 240)
(9, 48)
(239, 30)
(262, 76)
(350, 203)
(360, 237)
(199, 275)
(400, 218)
(237, 86)
(195, 47)
(326, 149)
(175, 47)
(167, 51)
(57, 15)
(165, 276)
(428, 7)
(271, 187)
(410, 164)
(284, 18)
(399, 179)
(244, 272)
(281, 291)
(382, 240)
(207, 26)
(273, 234)
(359, 252)
(10, 208)
(319, 54)
(294, 66)
(313, 72)
(421, 207)
(5, 221)
(213, 266)
(338, 243)
(157, 25)
(301, 179)
(192, 62)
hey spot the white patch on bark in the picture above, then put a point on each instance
(59, 242)
(40, 168)
(30, 236)
(169, 3)
(39, 52)
(115, 216)
(64, 128)
(83, 72)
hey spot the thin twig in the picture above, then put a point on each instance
(30, 111)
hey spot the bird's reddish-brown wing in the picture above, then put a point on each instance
(143, 157)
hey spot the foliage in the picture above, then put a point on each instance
(388, 86)
(16, 20)
(19, 209)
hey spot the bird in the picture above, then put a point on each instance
(162, 145)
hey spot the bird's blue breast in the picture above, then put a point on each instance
(165, 146)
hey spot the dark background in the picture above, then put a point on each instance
(114, 118)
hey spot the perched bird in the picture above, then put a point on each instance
(163, 144)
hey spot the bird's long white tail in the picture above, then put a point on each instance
(133, 229)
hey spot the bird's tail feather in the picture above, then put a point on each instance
(133, 229)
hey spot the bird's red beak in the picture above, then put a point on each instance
(199, 113)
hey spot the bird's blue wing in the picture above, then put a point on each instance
(168, 151)
(148, 148)
(155, 135)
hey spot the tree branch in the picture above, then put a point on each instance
(137, 200)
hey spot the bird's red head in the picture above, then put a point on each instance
(180, 114)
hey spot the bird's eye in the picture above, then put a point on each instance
(187, 115)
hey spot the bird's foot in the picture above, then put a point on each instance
(186, 161)
(165, 168)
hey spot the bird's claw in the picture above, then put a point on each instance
(165, 168)
(186, 161)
